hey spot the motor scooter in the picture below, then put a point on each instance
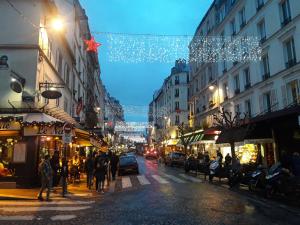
(257, 179)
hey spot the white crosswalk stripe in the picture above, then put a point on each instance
(44, 208)
(62, 217)
(32, 207)
(193, 179)
(16, 218)
(173, 178)
(126, 183)
(35, 203)
(160, 180)
(143, 180)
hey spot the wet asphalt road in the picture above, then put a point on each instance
(180, 200)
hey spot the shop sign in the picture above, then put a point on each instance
(43, 130)
(10, 125)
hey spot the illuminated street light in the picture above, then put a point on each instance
(211, 87)
(57, 24)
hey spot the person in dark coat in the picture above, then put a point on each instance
(55, 167)
(114, 165)
(227, 160)
(100, 172)
(64, 176)
(45, 172)
(89, 169)
(295, 164)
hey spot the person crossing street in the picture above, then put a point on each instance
(45, 172)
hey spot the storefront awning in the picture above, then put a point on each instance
(254, 133)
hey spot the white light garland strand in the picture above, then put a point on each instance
(145, 48)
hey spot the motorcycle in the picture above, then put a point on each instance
(280, 180)
(257, 179)
(216, 170)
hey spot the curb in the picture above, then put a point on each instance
(10, 197)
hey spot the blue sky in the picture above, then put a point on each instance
(133, 84)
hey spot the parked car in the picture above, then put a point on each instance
(128, 164)
(175, 158)
(151, 153)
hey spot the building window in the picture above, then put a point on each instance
(176, 93)
(66, 105)
(290, 53)
(242, 18)
(285, 12)
(177, 120)
(59, 69)
(237, 109)
(293, 92)
(210, 74)
(267, 107)
(259, 4)
(176, 80)
(226, 91)
(232, 26)
(224, 66)
(67, 75)
(262, 31)
(248, 107)
(265, 70)
(176, 105)
(79, 90)
(236, 81)
(247, 78)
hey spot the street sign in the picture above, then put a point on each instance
(67, 135)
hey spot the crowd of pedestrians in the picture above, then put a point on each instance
(97, 166)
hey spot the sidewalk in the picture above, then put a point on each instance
(74, 190)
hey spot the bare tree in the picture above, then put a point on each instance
(226, 121)
(182, 129)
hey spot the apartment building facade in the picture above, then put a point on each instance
(48, 79)
(169, 107)
(257, 88)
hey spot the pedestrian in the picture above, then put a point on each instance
(89, 169)
(64, 176)
(295, 164)
(100, 172)
(54, 161)
(227, 160)
(45, 172)
(219, 157)
(114, 165)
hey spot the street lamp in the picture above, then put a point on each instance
(57, 24)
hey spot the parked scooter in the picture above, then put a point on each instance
(216, 170)
(280, 180)
(257, 179)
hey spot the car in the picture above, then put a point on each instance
(128, 164)
(151, 153)
(175, 158)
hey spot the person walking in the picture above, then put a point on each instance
(100, 172)
(64, 176)
(45, 172)
(54, 161)
(114, 165)
(89, 169)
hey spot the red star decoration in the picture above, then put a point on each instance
(92, 45)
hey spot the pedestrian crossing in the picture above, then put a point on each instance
(128, 182)
(27, 210)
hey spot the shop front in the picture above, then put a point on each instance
(25, 139)
(11, 154)
(253, 144)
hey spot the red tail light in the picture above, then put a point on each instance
(155, 152)
(147, 152)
